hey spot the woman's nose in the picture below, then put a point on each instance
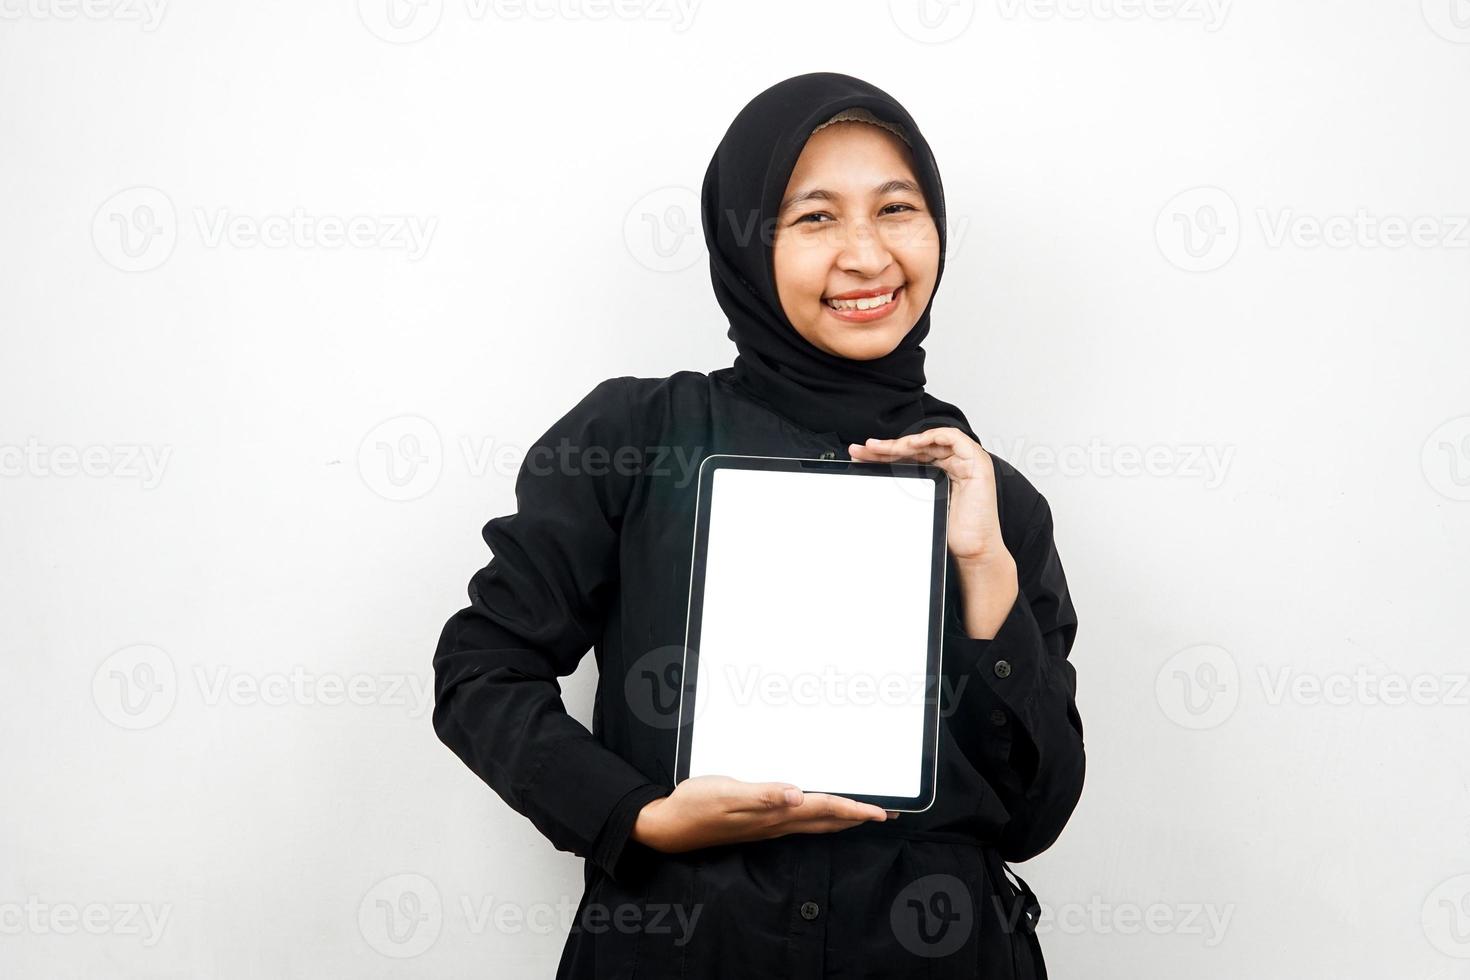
(863, 250)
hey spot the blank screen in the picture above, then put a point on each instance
(813, 645)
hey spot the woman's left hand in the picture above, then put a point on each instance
(987, 571)
(974, 521)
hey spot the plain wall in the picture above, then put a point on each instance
(1208, 287)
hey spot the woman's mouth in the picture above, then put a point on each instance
(863, 309)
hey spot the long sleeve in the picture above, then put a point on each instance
(535, 610)
(1024, 716)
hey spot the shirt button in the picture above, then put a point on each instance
(1002, 668)
(810, 910)
(997, 716)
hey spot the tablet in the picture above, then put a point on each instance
(813, 649)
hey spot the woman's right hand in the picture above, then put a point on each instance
(704, 811)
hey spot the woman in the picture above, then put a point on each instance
(822, 191)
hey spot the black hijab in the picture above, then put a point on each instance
(775, 364)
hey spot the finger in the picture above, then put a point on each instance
(924, 455)
(826, 805)
(887, 448)
(813, 826)
(753, 826)
(822, 826)
(914, 440)
(931, 441)
(946, 436)
(767, 796)
(955, 465)
(888, 452)
(954, 451)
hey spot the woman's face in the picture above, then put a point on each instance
(854, 222)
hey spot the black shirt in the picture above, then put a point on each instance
(598, 556)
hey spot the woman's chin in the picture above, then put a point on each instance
(863, 344)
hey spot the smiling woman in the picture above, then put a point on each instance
(855, 243)
(828, 309)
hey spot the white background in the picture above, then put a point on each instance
(1133, 192)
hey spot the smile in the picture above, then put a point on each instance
(864, 308)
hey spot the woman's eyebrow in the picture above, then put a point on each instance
(820, 194)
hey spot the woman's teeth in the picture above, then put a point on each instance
(867, 303)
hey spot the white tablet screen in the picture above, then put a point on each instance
(813, 645)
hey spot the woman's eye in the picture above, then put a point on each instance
(813, 216)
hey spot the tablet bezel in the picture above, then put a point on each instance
(688, 695)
